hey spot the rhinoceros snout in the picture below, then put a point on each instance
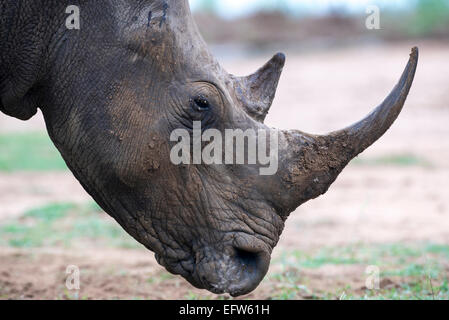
(236, 270)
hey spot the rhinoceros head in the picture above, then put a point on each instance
(113, 94)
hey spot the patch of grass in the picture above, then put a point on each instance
(290, 286)
(399, 250)
(286, 294)
(29, 152)
(418, 289)
(50, 212)
(323, 259)
(335, 256)
(151, 280)
(14, 228)
(65, 224)
(34, 227)
(94, 227)
(193, 296)
(430, 17)
(30, 237)
(414, 271)
(438, 249)
(398, 160)
(166, 276)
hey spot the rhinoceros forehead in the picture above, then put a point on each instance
(165, 32)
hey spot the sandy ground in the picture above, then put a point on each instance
(319, 92)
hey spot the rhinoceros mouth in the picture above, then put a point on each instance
(236, 269)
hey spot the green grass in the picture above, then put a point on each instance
(64, 224)
(415, 270)
(419, 271)
(398, 160)
(194, 297)
(50, 212)
(29, 152)
(324, 256)
(429, 17)
(438, 249)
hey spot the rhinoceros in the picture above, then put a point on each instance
(113, 91)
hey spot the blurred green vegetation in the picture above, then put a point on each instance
(50, 212)
(29, 152)
(208, 5)
(399, 160)
(394, 254)
(413, 271)
(66, 225)
(415, 18)
(429, 17)
(407, 271)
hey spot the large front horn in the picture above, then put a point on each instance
(311, 163)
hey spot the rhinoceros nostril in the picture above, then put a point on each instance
(247, 258)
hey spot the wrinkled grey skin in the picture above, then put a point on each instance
(111, 94)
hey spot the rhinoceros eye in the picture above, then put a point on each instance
(200, 103)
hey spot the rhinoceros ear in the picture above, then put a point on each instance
(256, 92)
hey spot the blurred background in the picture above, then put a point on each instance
(387, 212)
